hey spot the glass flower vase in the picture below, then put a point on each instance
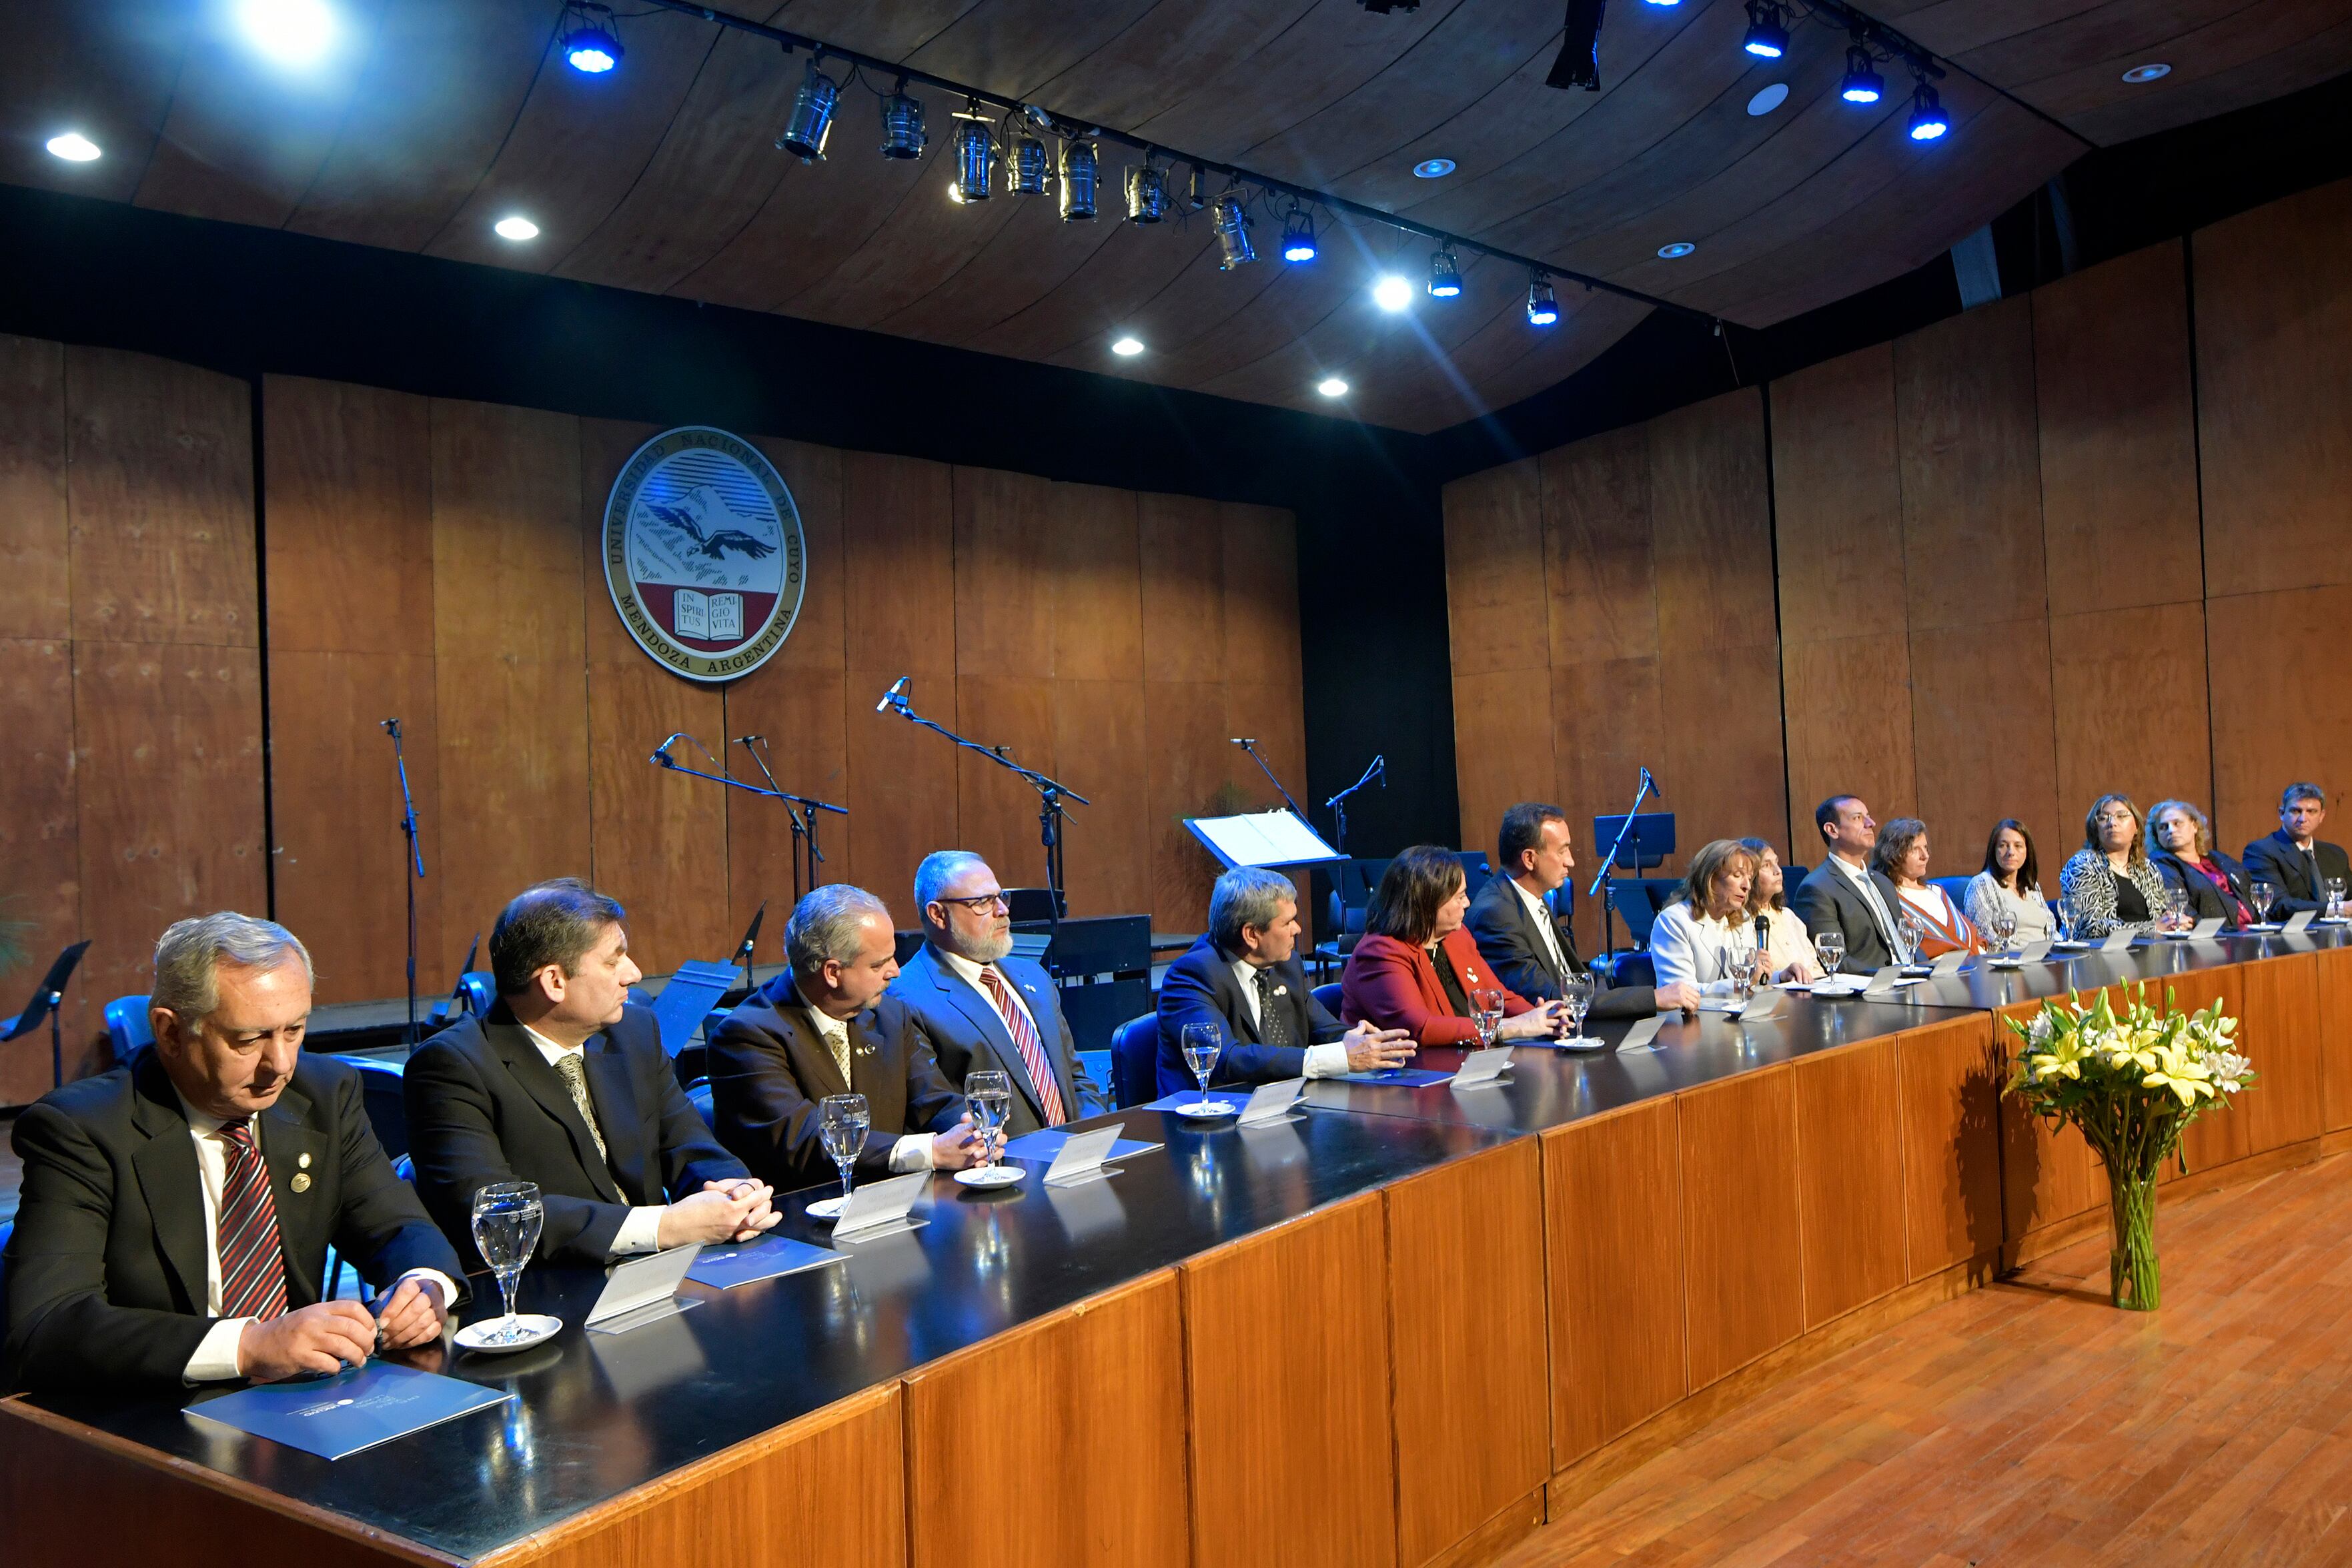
(2133, 1278)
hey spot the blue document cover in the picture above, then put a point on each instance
(1396, 1077)
(339, 1416)
(1042, 1144)
(724, 1268)
(1236, 1097)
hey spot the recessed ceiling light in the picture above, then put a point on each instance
(1434, 168)
(73, 147)
(1128, 348)
(1392, 292)
(2147, 73)
(516, 228)
(1676, 251)
(292, 32)
(1770, 99)
(1331, 386)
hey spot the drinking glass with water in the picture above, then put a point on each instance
(843, 1120)
(506, 1218)
(990, 1097)
(1576, 1000)
(1202, 1045)
(1829, 949)
(1487, 1014)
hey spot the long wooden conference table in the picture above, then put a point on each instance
(1391, 1333)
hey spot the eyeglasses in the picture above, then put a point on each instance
(981, 903)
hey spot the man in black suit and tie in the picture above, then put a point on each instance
(1844, 894)
(1533, 950)
(982, 1008)
(565, 1084)
(2294, 860)
(176, 1211)
(1244, 978)
(826, 1026)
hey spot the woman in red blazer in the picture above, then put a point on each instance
(1413, 925)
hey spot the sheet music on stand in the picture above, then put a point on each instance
(1261, 839)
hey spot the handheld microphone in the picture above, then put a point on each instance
(1651, 780)
(1763, 933)
(1381, 769)
(891, 695)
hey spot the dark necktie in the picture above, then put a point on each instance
(573, 1070)
(1270, 1027)
(252, 1260)
(2310, 874)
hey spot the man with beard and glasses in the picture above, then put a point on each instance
(982, 1010)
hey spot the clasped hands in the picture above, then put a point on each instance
(327, 1336)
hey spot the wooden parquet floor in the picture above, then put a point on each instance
(2032, 1423)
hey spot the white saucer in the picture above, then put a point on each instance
(1208, 1110)
(826, 1209)
(537, 1327)
(2337, 921)
(1582, 1044)
(990, 1175)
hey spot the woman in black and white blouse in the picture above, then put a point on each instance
(2109, 879)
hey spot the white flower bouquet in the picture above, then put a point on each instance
(2133, 1080)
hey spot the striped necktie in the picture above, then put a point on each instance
(1032, 1054)
(252, 1259)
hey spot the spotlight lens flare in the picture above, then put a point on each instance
(1390, 293)
(515, 228)
(2140, 75)
(73, 147)
(1128, 348)
(1434, 168)
(1676, 251)
(1769, 99)
(292, 32)
(1331, 386)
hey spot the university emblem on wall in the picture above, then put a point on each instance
(703, 553)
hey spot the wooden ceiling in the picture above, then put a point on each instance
(429, 119)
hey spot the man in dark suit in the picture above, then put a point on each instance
(176, 1211)
(826, 1026)
(1244, 979)
(982, 1008)
(1844, 894)
(565, 1084)
(2294, 860)
(1533, 950)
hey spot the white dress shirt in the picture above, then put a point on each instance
(1326, 1061)
(641, 1231)
(1692, 950)
(1887, 930)
(1542, 914)
(971, 973)
(215, 1359)
(912, 1152)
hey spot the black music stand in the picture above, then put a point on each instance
(44, 1005)
(1637, 843)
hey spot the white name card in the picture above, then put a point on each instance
(1081, 1157)
(2206, 928)
(2034, 952)
(1271, 1101)
(2116, 940)
(1764, 1004)
(1644, 1035)
(1883, 981)
(1482, 1066)
(1949, 964)
(2298, 920)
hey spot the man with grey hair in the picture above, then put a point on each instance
(564, 1084)
(985, 1009)
(825, 1026)
(1244, 979)
(178, 1210)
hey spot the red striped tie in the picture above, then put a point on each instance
(1033, 1055)
(252, 1265)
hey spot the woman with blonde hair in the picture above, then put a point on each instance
(1704, 939)
(2108, 882)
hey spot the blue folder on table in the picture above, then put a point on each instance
(1396, 1077)
(339, 1416)
(724, 1268)
(1041, 1145)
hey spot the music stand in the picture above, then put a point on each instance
(1638, 842)
(51, 991)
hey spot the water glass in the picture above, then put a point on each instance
(843, 1123)
(1576, 1000)
(990, 1094)
(1202, 1045)
(1741, 957)
(1915, 936)
(507, 1219)
(2176, 909)
(1829, 949)
(1487, 1015)
(2335, 898)
(2264, 895)
(2066, 917)
(2004, 931)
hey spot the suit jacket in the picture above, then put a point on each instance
(105, 1277)
(1395, 986)
(483, 1106)
(2205, 899)
(968, 1034)
(1509, 939)
(768, 1068)
(2276, 860)
(1827, 900)
(1201, 988)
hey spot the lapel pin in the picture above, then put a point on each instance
(304, 1162)
(1282, 990)
(301, 1182)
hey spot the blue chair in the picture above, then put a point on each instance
(1135, 1060)
(475, 992)
(1330, 997)
(7, 1228)
(1956, 888)
(699, 1092)
(127, 1027)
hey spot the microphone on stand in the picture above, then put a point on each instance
(892, 695)
(1379, 769)
(661, 753)
(1244, 741)
(1651, 780)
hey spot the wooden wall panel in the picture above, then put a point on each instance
(2333, 1038)
(1984, 748)
(1261, 580)
(1597, 551)
(1180, 547)
(347, 479)
(1004, 584)
(509, 651)
(35, 538)
(1268, 1408)
(1183, 727)
(2118, 437)
(1711, 529)
(1964, 404)
(1613, 1239)
(1952, 1075)
(1850, 1149)
(1494, 570)
(1849, 731)
(1505, 736)
(1606, 724)
(1742, 1285)
(160, 482)
(1724, 748)
(1092, 1393)
(1100, 745)
(996, 811)
(1837, 494)
(40, 869)
(1093, 539)
(2128, 694)
(2274, 331)
(1466, 1299)
(2283, 1020)
(2270, 731)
